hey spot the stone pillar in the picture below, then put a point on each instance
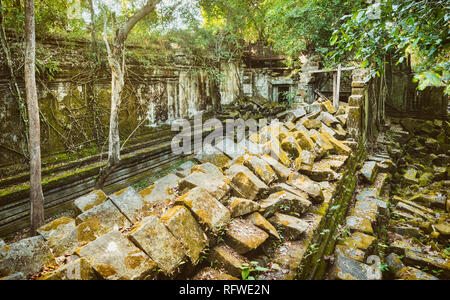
(305, 92)
(357, 103)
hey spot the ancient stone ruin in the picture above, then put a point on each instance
(300, 199)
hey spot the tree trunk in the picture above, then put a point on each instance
(93, 31)
(116, 59)
(36, 195)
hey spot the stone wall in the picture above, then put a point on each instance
(75, 101)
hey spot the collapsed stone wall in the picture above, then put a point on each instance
(74, 99)
(264, 201)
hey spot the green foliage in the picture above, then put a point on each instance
(399, 32)
(247, 270)
(305, 26)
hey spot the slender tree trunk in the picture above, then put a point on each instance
(116, 59)
(93, 31)
(36, 195)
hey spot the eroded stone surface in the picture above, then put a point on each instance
(57, 227)
(162, 190)
(87, 202)
(130, 203)
(183, 226)
(225, 257)
(240, 207)
(79, 269)
(206, 208)
(213, 274)
(27, 256)
(284, 202)
(245, 183)
(258, 220)
(107, 216)
(291, 227)
(114, 257)
(216, 187)
(244, 237)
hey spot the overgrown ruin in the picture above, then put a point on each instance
(346, 186)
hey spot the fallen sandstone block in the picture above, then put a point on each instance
(244, 237)
(130, 203)
(240, 207)
(79, 269)
(258, 220)
(114, 257)
(225, 257)
(291, 227)
(206, 208)
(87, 202)
(57, 227)
(27, 256)
(284, 202)
(152, 236)
(185, 228)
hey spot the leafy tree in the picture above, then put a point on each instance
(405, 28)
(305, 26)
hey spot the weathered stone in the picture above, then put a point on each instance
(410, 176)
(307, 185)
(276, 151)
(327, 119)
(225, 257)
(303, 140)
(14, 277)
(183, 226)
(156, 240)
(162, 190)
(255, 148)
(322, 144)
(281, 187)
(245, 183)
(258, 220)
(411, 273)
(87, 202)
(320, 171)
(308, 157)
(406, 231)
(114, 257)
(186, 166)
(312, 123)
(130, 203)
(27, 256)
(359, 224)
(381, 184)
(437, 201)
(207, 209)
(244, 237)
(289, 255)
(340, 132)
(369, 171)
(79, 269)
(443, 228)
(212, 274)
(339, 147)
(348, 269)
(261, 168)
(413, 210)
(240, 207)
(107, 216)
(350, 252)
(360, 241)
(295, 115)
(291, 227)
(2, 243)
(84, 233)
(209, 169)
(328, 107)
(282, 171)
(354, 121)
(394, 263)
(216, 187)
(57, 227)
(230, 148)
(431, 262)
(365, 210)
(211, 154)
(284, 202)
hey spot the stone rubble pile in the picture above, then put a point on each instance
(402, 209)
(251, 108)
(256, 202)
